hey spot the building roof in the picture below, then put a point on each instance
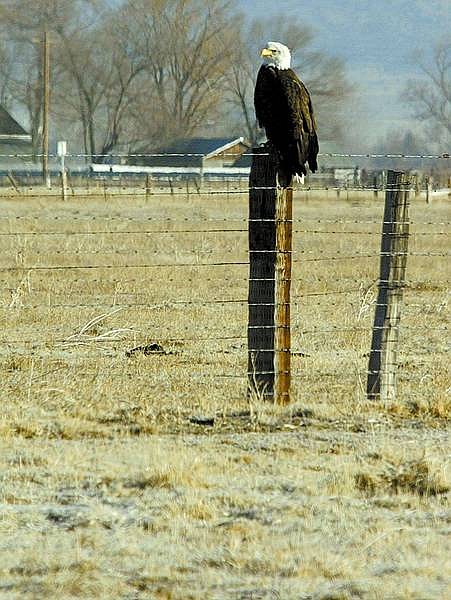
(204, 146)
(9, 127)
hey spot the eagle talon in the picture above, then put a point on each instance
(299, 178)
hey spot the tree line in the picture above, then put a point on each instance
(134, 75)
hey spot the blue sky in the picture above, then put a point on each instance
(377, 40)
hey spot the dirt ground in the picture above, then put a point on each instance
(153, 475)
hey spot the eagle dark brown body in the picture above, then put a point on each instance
(284, 108)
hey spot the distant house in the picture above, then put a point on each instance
(14, 141)
(199, 152)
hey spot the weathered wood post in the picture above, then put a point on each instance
(428, 190)
(148, 186)
(62, 151)
(282, 312)
(64, 185)
(13, 182)
(381, 381)
(417, 185)
(270, 250)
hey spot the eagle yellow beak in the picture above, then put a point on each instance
(266, 52)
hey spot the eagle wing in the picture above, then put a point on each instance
(284, 108)
(267, 94)
(301, 121)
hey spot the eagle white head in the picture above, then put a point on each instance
(276, 55)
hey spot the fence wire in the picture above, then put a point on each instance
(193, 309)
(443, 155)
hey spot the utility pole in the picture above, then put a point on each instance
(45, 116)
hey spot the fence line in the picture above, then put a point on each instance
(153, 304)
(202, 265)
(233, 251)
(212, 342)
(176, 340)
(219, 375)
(172, 231)
(375, 281)
(131, 191)
(324, 293)
(443, 155)
(145, 219)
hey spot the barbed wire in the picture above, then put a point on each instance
(173, 189)
(175, 231)
(109, 193)
(339, 253)
(229, 219)
(153, 304)
(210, 264)
(305, 351)
(212, 339)
(426, 155)
(72, 339)
(198, 376)
(250, 375)
(319, 279)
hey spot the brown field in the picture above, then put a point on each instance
(110, 490)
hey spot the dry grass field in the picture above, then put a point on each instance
(110, 486)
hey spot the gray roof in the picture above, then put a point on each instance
(8, 125)
(202, 146)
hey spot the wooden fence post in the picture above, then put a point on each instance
(270, 241)
(428, 190)
(282, 319)
(64, 184)
(381, 381)
(13, 182)
(148, 184)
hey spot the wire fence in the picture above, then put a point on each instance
(136, 297)
(127, 155)
(150, 174)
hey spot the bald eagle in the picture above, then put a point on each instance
(283, 107)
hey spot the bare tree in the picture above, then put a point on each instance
(148, 72)
(183, 45)
(324, 76)
(127, 65)
(398, 141)
(6, 75)
(23, 24)
(137, 74)
(86, 80)
(430, 96)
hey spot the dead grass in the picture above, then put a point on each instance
(414, 477)
(111, 489)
